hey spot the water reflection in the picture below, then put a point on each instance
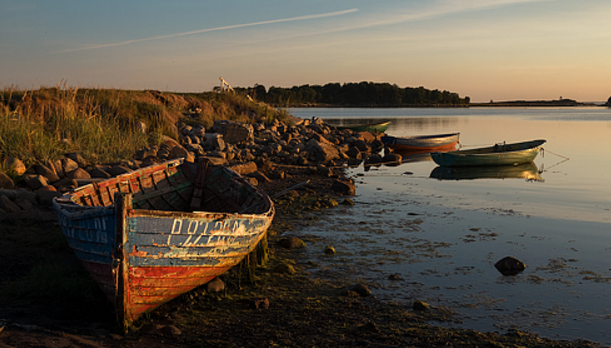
(528, 171)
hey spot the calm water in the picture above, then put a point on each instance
(444, 236)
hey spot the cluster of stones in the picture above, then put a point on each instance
(305, 143)
(246, 148)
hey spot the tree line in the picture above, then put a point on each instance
(363, 94)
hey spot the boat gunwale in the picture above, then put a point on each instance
(481, 150)
(429, 136)
(74, 210)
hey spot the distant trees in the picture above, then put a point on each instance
(609, 102)
(355, 94)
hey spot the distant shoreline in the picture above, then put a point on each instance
(513, 103)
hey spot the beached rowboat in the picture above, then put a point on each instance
(148, 236)
(499, 154)
(422, 143)
(368, 127)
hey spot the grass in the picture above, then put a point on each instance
(104, 124)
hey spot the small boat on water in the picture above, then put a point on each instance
(499, 154)
(368, 127)
(527, 171)
(151, 235)
(422, 143)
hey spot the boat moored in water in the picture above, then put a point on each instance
(499, 154)
(421, 143)
(376, 127)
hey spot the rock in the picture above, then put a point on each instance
(510, 266)
(284, 268)
(11, 194)
(27, 195)
(215, 285)
(45, 197)
(237, 132)
(395, 276)
(76, 157)
(170, 330)
(216, 161)
(79, 173)
(59, 168)
(46, 172)
(244, 168)
(24, 204)
(322, 152)
(169, 142)
(6, 182)
(256, 303)
(420, 305)
(392, 159)
(118, 170)
(99, 172)
(68, 165)
(329, 250)
(181, 152)
(344, 187)
(354, 152)
(348, 201)
(260, 177)
(213, 141)
(15, 165)
(140, 127)
(292, 243)
(8, 206)
(360, 289)
(147, 152)
(35, 182)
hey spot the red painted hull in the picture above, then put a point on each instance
(413, 150)
(150, 287)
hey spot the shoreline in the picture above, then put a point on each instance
(304, 310)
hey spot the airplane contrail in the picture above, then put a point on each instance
(235, 26)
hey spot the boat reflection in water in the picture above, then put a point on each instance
(528, 171)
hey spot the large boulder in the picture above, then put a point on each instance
(7, 205)
(6, 182)
(322, 152)
(237, 133)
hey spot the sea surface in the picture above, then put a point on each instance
(443, 234)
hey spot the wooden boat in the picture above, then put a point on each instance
(368, 127)
(527, 171)
(421, 143)
(499, 154)
(150, 235)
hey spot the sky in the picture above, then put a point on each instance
(484, 49)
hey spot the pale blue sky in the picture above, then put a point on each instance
(484, 49)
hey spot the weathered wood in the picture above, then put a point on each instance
(138, 239)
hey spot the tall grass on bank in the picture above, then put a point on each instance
(104, 125)
(47, 123)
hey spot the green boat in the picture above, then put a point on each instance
(499, 154)
(368, 127)
(528, 171)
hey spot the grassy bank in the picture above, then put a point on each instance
(107, 125)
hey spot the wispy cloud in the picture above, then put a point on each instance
(194, 32)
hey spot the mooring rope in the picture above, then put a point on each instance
(543, 151)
